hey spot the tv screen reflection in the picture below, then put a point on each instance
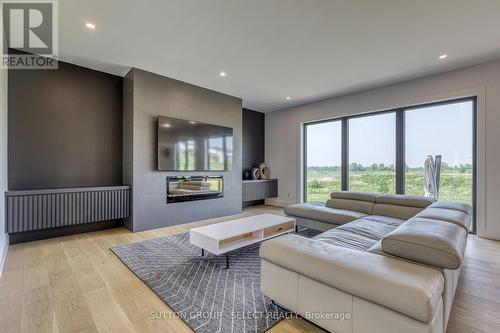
(187, 145)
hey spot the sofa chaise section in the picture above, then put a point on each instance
(394, 268)
(311, 276)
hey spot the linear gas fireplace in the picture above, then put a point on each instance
(190, 188)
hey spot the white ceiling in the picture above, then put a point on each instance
(270, 49)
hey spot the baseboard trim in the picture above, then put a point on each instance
(30, 236)
(277, 203)
(246, 204)
(493, 234)
(4, 254)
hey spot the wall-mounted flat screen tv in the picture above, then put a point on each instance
(188, 145)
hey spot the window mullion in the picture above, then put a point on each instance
(345, 154)
(400, 151)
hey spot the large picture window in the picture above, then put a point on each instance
(385, 152)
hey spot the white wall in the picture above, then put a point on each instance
(3, 158)
(283, 130)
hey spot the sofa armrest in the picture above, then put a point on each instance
(408, 288)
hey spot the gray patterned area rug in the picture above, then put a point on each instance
(200, 290)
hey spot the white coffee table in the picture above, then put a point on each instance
(222, 238)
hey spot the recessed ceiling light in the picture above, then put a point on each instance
(222, 74)
(443, 56)
(166, 125)
(89, 25)
(288, 98)
(193, 122)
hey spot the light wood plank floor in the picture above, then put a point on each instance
(76, 284)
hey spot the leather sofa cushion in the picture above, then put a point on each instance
(405, 200)
(348, 204)
(346, 239)
(395, 211)
(357, 235)
(360, 196)
(447, 215)
(385, 220)
(463, 207)
(322, 213)
(377, 249)
(413, 290)
(428, 241)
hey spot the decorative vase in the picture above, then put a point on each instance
(264, 171)
(255, 173)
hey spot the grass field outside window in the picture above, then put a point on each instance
(456, 182)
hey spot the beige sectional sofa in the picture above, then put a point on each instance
(384, 263)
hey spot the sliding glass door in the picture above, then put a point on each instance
(385, 152)
(322, 169)
(372, 153)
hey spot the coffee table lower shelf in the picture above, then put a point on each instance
(223, 238)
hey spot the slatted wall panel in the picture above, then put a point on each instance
(44, 209)
(260, 189)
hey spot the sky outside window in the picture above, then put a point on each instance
(445, 128)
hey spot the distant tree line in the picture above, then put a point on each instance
(373, 167)
(461, 168)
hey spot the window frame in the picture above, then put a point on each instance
(400, 147)
(304, 152)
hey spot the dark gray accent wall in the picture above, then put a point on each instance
(253, 139)
(64, 128)
(147, 96)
